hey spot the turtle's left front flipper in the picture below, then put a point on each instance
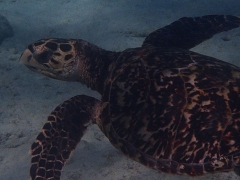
(60, 135)
(188, 32)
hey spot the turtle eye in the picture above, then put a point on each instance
(43, 57)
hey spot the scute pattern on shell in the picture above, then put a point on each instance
(181, 99)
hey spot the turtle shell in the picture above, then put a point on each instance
(174, 110)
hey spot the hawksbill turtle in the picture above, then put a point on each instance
(162, 105)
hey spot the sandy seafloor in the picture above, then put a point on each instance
(26, 98)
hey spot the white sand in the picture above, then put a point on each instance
(26, 98)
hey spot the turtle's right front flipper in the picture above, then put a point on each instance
(60, 135)
(188, 32)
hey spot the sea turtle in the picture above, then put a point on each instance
(162, 105)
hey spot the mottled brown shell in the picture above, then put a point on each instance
(174, 110)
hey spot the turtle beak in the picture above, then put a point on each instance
(26, 57)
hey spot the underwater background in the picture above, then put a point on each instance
(26, 98)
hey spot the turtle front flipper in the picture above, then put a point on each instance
(60, 135)
(188, 32)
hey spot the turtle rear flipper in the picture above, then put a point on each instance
(60, 135)
(188, 32)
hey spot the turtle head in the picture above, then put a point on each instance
(54, 58)
(69, 60)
